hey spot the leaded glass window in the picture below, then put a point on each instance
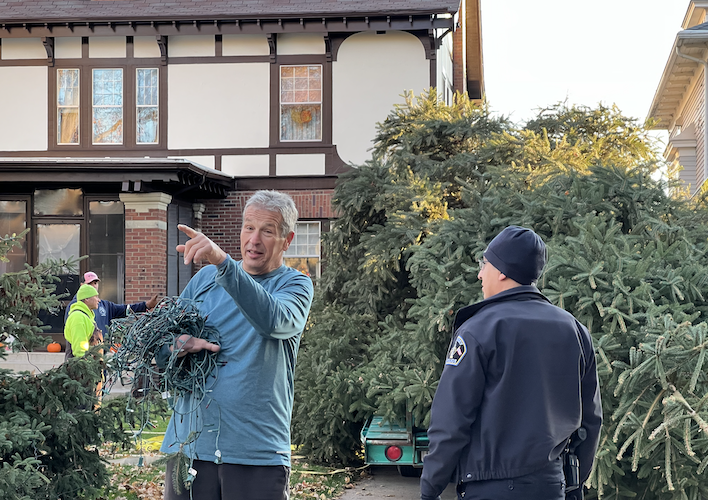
(301, 103)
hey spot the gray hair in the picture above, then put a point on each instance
(275, 201)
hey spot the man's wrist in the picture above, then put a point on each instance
(221, 267)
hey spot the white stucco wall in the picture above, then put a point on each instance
(310, 164)
(246, 165)
(145, 46)
(23, 105)
(244, 45)
(67, 48)
(218, 105)
(107, 47)
(300, 43)
(23, 48)
(191, 46)
(368, 77)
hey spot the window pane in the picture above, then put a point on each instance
(306, 265)
(68, 106)
(68, 87)
(147, 87)
(58, 202)
(107, 101)
(108, 87)
(301, 103)
(147, 125)
(13, 217)
(68, 125)
(306, 241)
(301, 122)
(147, 114)
(108, 125)
(58, 241)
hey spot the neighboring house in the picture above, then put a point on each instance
(120, 119)
(679, 105)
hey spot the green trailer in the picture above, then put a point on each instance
(387, 443)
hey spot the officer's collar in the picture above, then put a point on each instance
(516, 293)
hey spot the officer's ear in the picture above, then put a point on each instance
(502, 276)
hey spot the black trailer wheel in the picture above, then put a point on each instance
(409, 471)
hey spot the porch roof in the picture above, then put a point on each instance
(170, 175)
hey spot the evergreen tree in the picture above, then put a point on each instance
(50, 429)
(625, 258)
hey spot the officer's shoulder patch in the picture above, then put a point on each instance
(457, 352)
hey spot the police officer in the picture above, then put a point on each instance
(519, 379)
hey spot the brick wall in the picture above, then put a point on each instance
(145, 255)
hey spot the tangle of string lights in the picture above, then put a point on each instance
(137, 341)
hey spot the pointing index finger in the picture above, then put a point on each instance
(187, 230)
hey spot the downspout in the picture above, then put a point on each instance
(705, 109)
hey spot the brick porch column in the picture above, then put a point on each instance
(145, 245)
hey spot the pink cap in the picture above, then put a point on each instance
(90, 277)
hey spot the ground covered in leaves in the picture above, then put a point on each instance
(147, 482)
(130, 482)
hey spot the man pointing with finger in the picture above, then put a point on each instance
(259, 306)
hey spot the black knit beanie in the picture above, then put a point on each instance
(519, 253)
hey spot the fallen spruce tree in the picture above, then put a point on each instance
(627, 258)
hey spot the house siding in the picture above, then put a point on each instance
(693, 113)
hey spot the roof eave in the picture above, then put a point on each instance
(683, 38)
(227, 25)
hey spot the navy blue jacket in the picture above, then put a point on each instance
(108, 311)
(519, 379)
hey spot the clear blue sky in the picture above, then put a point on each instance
(537, 53)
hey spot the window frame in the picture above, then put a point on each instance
(318, 255)
(309, 102)
(326, 103)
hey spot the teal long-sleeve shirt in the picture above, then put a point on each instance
(260, 320)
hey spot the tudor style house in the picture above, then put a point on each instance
(120, 119)
(679, 105)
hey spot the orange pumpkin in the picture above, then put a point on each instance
(54, 347)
